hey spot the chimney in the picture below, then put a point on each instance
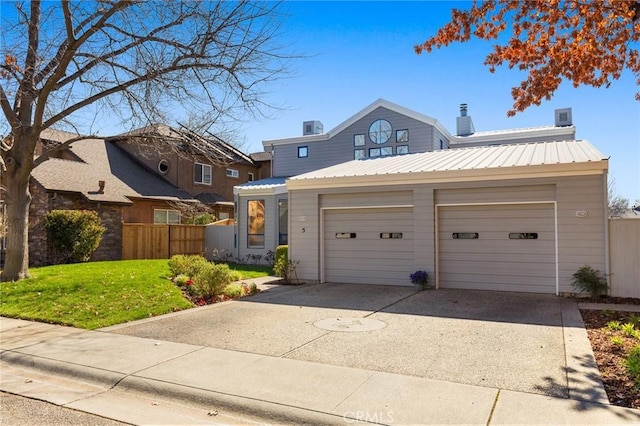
(312, 128)
(464, 124)
(101, 187)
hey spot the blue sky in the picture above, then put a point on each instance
(358, 52)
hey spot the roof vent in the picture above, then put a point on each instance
(563, 117)
(312, 128)
(463, 110)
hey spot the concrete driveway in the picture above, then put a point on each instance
(502, 340)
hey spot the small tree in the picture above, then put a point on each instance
(73, 234)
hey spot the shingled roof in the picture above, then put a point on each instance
(185, 140)
(100, 160)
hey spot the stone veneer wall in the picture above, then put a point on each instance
(43, 202)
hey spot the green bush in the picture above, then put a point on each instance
(233, 291)
(587, 279)
(181, 280)
(282, 252)
(202, 219)
(73, 235)
(633, 364)
(189, 265)
(211, 280)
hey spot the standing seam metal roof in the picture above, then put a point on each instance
(485, 157)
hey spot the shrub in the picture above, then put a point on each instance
(281, 252)
(233, 290)
(419, 277)
(201, 219)
(211, 280)
(286, 269)
(73, 235)
(587, 279)
(633, 364)
(181, 280)
(189, 265)
(617, 341)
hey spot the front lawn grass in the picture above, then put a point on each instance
(97, 294)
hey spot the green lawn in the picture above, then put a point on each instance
(99, 294)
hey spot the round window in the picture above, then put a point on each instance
(380, 131)
(163, 166)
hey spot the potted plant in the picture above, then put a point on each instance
(419, 279)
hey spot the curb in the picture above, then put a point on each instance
(88, 374)
(262, 410)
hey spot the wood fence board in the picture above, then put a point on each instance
(148, 241)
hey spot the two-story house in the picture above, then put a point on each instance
(391, 191)
(151, 176)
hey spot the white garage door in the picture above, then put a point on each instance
(368, 246)
(500, 247)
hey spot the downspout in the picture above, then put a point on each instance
(273, 156)
(607, 260)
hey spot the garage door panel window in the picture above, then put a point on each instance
(465, 235)
(255, 223)
(523, 235)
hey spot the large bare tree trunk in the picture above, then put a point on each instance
(17, 200)
(16, 262)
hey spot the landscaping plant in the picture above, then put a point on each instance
(73, 235)
(589, 280)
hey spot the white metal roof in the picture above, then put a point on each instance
(485, 160)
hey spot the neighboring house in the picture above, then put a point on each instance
(382, 129)
(129, 184)
(205, 167)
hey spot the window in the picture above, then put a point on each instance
(255, 224)
(402, 136)
(523, 235)
(233, 173)
(161, 216)
(465, 236)
(374, 152)
(402, 149)
(388, 150)
(359, 154)
(250, 177)
(303, 152)
(441, 144)
(391, 235)
(358, 140)
(163, 167)
(223, 215)
(283, 222)
(202, 173)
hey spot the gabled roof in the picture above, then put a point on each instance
(462, 164)
(102, 160)
(191, 142)
(380, 103)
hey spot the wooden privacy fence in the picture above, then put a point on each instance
(146, 241)
(624, 257)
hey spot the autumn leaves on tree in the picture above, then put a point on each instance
(585, 42)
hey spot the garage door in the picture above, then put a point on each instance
(368, 246)
(505, 247)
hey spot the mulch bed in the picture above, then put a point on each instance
(611, 357)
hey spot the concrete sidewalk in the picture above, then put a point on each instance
(146, 381)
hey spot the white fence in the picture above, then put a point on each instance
(219, 240)
(624, 257)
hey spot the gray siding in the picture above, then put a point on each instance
(580, 240)
(340, 148)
